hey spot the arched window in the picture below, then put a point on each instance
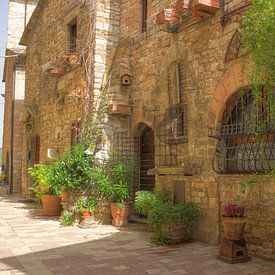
(247, 135)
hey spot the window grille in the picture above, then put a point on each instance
(72, 37)
(171, 132)
(246, 139)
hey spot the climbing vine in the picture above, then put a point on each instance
(258, 42)
(93, 101)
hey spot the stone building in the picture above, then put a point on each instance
(178, 101)
(14, 78)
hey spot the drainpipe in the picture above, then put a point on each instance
(25, 16)
(12, 127)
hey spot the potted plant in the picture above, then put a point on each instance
(67, 219)
(121, 175)
(145, 201)
(113, 182)
(171, 222)
(46, 189)
(86, 205)
(233, 221)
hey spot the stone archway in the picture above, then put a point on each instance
(231, 81)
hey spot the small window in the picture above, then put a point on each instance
(72, 37)
(75, 133)
(144, 15)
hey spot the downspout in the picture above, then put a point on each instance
(25, 16)
(12, 126)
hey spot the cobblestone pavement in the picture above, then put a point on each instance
(33, 244)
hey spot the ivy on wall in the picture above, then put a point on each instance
(259, 40)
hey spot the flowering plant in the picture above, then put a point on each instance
(233, 210)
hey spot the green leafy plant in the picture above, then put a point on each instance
(258, 34)
(113, 181)
(74, 170)
(102, 181)
(44, 180)
(145, 201)
(67, 219)
(170, 213)
(87, 203)
(121, 174)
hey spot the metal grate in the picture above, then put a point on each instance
(125, 146)
(246, 141)
(171, 132)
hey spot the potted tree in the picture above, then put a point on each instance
(46, 189)
(121, 174)
(233, 221)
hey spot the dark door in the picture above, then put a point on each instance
(147, 159)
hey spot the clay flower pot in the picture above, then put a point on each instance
(51, 205)
(86, 213)
(58, 71)
(176, 233)
(64, 196)
(73, 59)
(119, 215)
(167, 16)
(233, 227)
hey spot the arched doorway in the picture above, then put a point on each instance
(147, 159)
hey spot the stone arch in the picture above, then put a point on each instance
(232, 81)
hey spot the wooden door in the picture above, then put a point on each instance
(147, 159)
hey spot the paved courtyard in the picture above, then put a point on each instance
(34, 244)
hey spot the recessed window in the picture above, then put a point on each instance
(144, 15)
(72, 36)
(246, 137)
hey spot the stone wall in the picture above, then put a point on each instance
(52, 95)
(201, 45)
(209, 81)
(14, 78)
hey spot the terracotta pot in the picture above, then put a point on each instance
(167, 15)
(176, 233)
(64, 196)
(103, 213)
(58, 71)
(181, 5)
(51, 205)
(73, 59)
(233, 228)
(205, 6)
(86, 213)
(119, 215)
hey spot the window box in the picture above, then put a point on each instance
(167, 16)
(120, 109)
(205, 6)
(182, 5)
